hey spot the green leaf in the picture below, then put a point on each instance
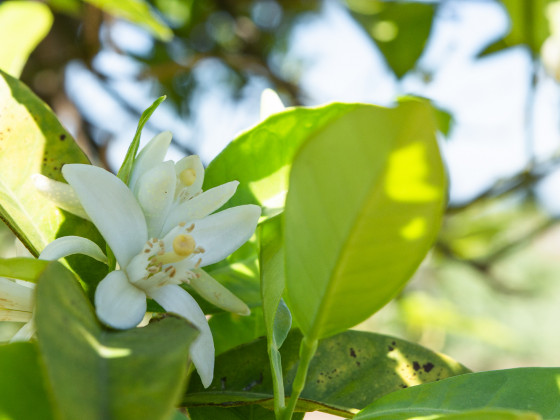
(399, 29)
(22, 268)
(365, 203)
(126, 167)
(22, 26)
(278, 320)
(136, 11)
(138, 373)
(485, 415)
(32, 141)
(250, 412)
(528, 26)
(247, 328)
(277, 316)
(348, 371)
(23, 395)
(531, 389)
(260, 158)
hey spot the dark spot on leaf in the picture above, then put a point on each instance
(391, 348)
(223, 381)
(254, 383)
(428, 366)
(62, 137)
(404, 386)
(394, 344)
(416, 365)
(352, 352)
(357, 363)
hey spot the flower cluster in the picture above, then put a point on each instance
(162, 230)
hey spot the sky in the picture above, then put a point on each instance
(487, 96)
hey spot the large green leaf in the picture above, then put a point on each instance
(32, 141)
(23, 24)
(348, 371)
(95, 373)
(23, 394)
(530, 389)
(366, 198)
(528, 25)
(485, 415)
(260, 158)
(399, 29)
(136, 11)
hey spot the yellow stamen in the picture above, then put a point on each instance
(188, 176)
(183, 246)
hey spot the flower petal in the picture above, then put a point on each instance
(25, 333)
(112, 208)
(175, 299)
(270, 103)
(150, 155)
(215, 293)
(69, 245)
(15, 296)
(61, 194)
(155, 193)
(220, 234)
(190, 162)
(200, 206)
(118, 303)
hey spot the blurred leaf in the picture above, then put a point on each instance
(359, 220)
(138, 373)
(136, 11)
(399, 29)
(532, 389)
(126, 167)
(349, 371)
(22, 268)
(23, 24)
(32, 141)
(260, 158)
(485, 415)
(528, 26)
(23, 395)
(249, 412)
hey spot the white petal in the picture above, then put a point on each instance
(150, 155)
(175, 299)
(190, 162)
(15, 296)
(222, 233)
(155, 193)
(14, 316)
(215, 293)
(25, 333)
(69, 245)
(270, 103)
(200, 206)
(61, 194)
(118, 303)
(112, 208)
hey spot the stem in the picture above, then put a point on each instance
(277, 379)
(306, 351)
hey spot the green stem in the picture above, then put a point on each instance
(277, 379)
(306, 351)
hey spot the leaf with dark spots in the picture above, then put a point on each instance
(337, 382)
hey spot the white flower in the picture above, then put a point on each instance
(17, 305)
(154, 265)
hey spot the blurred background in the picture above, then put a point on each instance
(489, 293)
